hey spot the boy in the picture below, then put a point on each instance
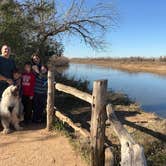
(28, 82)
(40, 94)
(17, 80)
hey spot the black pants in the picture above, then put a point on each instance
(27, 102)
(39, 105)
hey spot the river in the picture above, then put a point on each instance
(149, 90)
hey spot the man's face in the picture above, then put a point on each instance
(5, 51)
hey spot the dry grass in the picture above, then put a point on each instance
(137, 64)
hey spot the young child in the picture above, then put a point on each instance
(40, 94)
(28, 83)
(17, 80)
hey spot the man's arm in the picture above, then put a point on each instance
(2, 78)
(9, 81)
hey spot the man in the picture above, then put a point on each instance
(7, 67)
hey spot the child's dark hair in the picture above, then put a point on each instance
(17, 70)
(44, 66)
(28, 63)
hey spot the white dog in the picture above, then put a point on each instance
(11, 109)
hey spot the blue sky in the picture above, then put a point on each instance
(141, 31)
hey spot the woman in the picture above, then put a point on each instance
(36, 62)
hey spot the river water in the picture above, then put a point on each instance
(149, 90)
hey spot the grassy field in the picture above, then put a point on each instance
(135, 64)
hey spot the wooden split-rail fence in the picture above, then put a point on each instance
(132, 154)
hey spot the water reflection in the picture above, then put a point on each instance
(149, 90)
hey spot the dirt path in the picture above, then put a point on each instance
(36, 147)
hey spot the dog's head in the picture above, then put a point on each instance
(14, 90)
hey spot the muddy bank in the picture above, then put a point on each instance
(127, 65)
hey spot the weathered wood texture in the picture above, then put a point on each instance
(132, 154)
(75, 92)
(98, 122)
(64, 118)
(50, 98)
(109, 158)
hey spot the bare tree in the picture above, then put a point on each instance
(76, 18)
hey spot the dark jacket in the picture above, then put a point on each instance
(41, 84)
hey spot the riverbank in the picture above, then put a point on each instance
(146, 128)
(150, 66)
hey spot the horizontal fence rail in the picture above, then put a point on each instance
(132, 154)
(66, 119)
(101, 154)
(75, 92)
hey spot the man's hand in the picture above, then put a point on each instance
(9, 81)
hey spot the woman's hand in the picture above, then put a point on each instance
(35, 68)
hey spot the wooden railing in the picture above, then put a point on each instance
(131, 153)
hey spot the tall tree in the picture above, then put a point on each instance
(88, 23)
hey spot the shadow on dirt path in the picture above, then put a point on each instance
(35, 146)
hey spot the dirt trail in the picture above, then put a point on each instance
(36, 147)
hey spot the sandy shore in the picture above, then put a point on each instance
(150, 67)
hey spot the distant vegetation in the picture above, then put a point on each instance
(59, 61)
(125, 59)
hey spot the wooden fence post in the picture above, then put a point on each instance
(98, 122)
(50, 97)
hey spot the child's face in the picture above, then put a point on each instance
(43, 70)
(27, 68)
(16, 75)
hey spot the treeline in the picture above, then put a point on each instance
(126, 59)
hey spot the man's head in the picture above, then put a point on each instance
(5, 50)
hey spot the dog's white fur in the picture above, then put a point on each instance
(11, 109)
